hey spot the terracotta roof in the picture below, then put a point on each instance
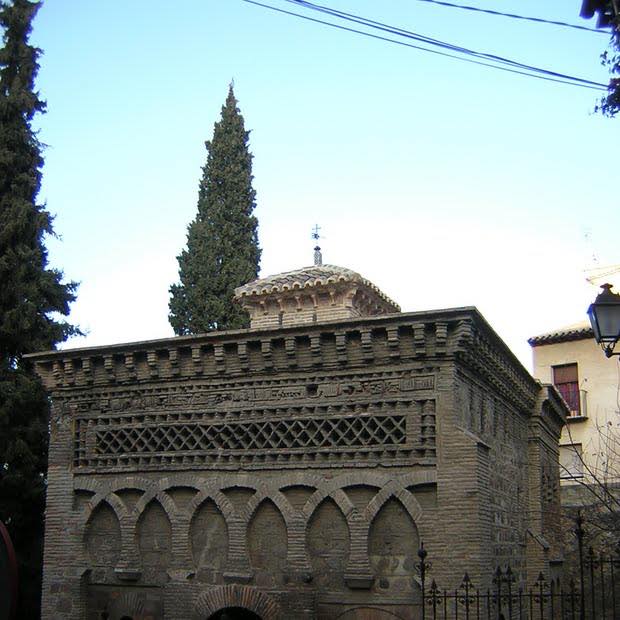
(307, 277)
(576, 331)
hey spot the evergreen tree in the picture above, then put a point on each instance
(610, 103)
(222, 242)
(31, 297)
(608, 15)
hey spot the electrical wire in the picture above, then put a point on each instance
(436, 42)
(546, 75)
(538, 20)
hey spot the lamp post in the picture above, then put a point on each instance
(604, 315)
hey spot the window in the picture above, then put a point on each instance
(566, 380)
(571, 465)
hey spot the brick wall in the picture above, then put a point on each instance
(294, 472)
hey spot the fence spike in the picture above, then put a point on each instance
(511, 597)
(509, 576)
(497, 575)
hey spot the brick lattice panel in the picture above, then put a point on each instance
(257, 436)
(312, 423)
(314, 439)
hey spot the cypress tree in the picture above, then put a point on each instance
(610, 103)
(222, 242)
(32, 296)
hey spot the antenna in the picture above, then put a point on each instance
(318, 258)
(587, 235)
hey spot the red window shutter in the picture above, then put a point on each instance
(566, 380)
(565, 374)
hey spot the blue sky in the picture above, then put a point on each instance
(445, 183)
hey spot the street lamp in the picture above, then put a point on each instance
(604, 315)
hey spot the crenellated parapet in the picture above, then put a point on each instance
(426, 337)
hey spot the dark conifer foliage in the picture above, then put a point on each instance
(222, 242)
(32, 297)
(610, 104)
(608, 15)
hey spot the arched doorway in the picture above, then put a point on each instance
(234, 613)
(238, 601)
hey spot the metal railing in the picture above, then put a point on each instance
(592, 594)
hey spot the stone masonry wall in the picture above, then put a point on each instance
(496, 432)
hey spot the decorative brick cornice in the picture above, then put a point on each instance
(421, 336)
(552, 409)
(483, 352)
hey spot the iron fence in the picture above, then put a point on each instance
(593, 593)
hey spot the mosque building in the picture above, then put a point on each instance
(294, 469)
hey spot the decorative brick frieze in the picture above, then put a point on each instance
(129, 365)
(341, 347)
(290, 348)
(151, 360)
(419, 340)
(441, 337)
(322, 420)
(368, 353)
(218, 356)
(386, 340)
(266, 350)
(197, 358)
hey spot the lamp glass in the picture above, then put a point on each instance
(594, 323)
(607, 318)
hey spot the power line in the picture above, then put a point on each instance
(436, 42)
(545, 74)
(538, 20)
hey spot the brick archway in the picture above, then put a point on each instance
(247, 597)
(128, 605)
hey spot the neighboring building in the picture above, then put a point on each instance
(590, 384)
(292, 469)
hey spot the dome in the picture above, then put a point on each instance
(311, 294)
